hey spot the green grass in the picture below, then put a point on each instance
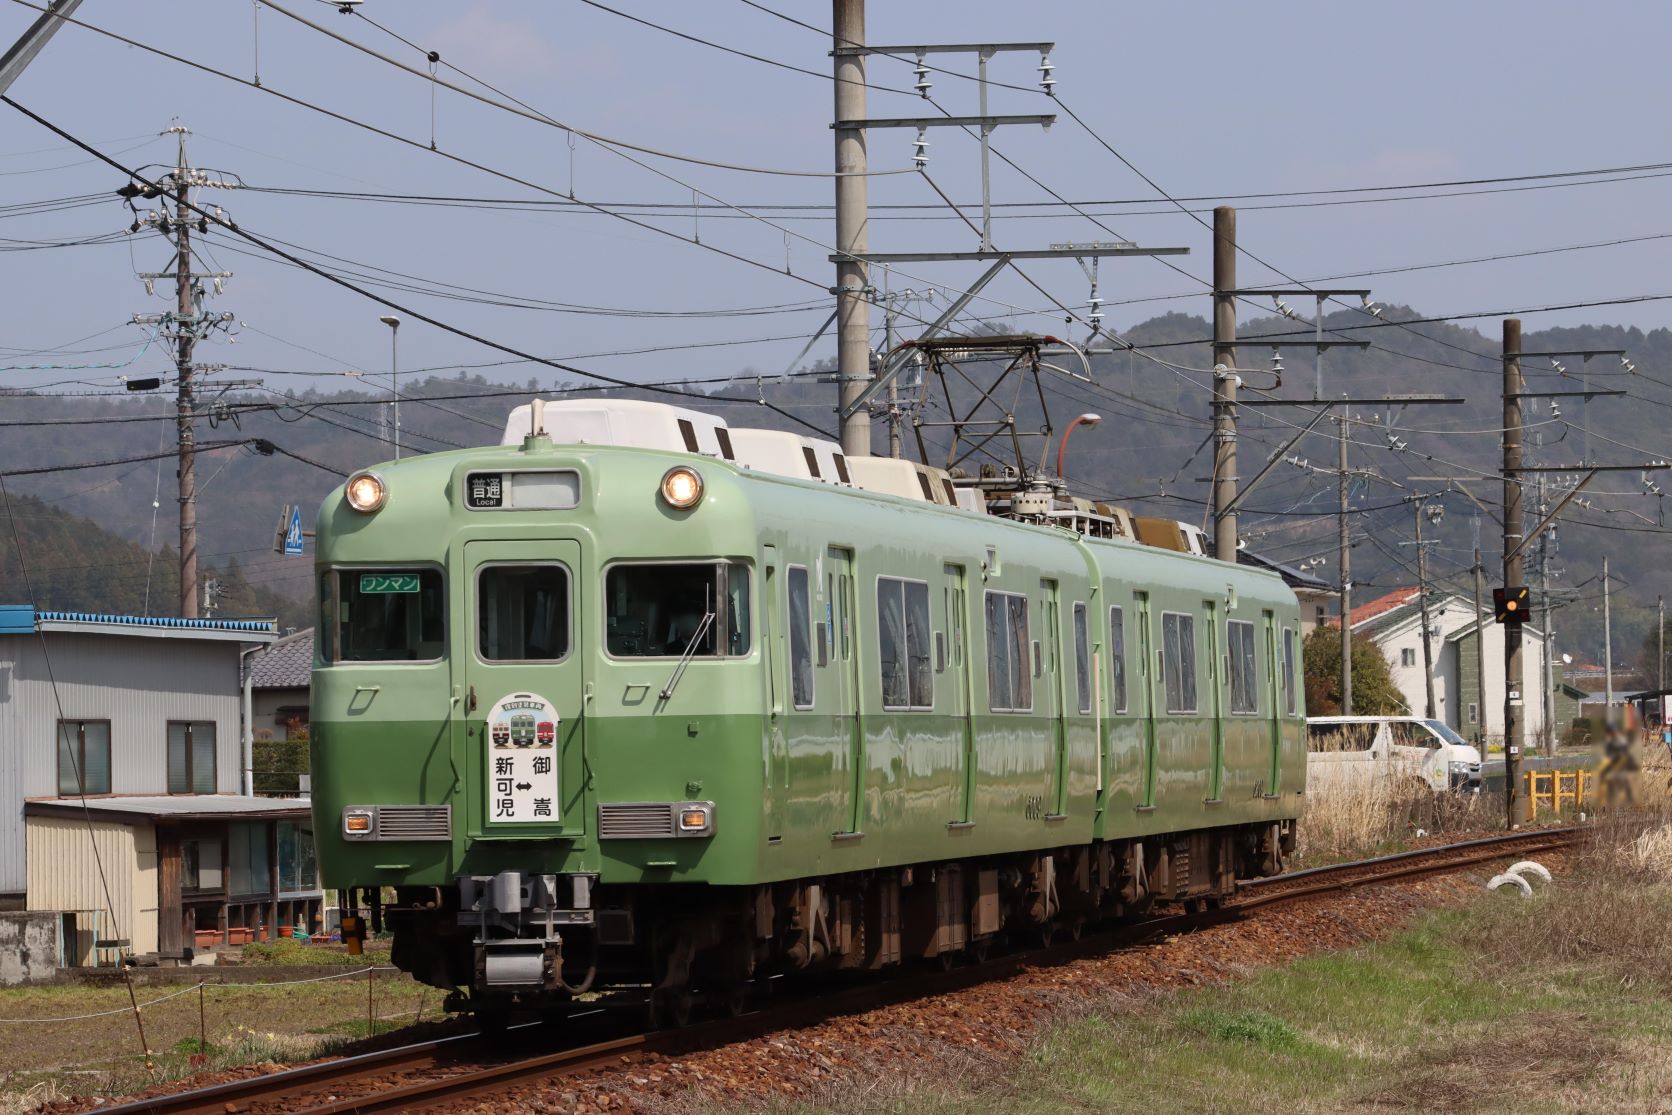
(1558, 1004)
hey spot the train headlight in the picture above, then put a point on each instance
(365, 492)
(682, 487)
(696, 819)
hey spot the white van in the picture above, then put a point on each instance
(1342, 748)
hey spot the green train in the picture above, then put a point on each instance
(798, 711)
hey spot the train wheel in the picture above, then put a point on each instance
(980, 950)
(670, 1008)
(734, 1001)
(492, 1022)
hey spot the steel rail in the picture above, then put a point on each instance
(805, 1010)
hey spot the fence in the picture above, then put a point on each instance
(1552, 788)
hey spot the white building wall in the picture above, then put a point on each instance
(138, 683)
(1447, 618)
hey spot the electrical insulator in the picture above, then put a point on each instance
(1095, 317)
(1276, 361)
(1046, 81)
(1561, 368)
(1374, 309)
(920, 149)
(1627, 364)
(922, 72)
(1283, 307)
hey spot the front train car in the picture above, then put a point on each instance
(489, 620)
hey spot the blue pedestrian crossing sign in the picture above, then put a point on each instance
(293, 532)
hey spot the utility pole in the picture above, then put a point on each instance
(1480, 651)
(1514, 722)
(1346, 558)
(1418, 506)
(185, 326)
(1607, 643)
(1547, 698)
(1660, 645)
(853, 273)
(1225, 382)
(185, 339)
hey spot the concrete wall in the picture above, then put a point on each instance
(65, 875)
(28, 947)
(138, 683)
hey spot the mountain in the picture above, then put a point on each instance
(1151, 453)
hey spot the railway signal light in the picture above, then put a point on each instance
(1511, 605)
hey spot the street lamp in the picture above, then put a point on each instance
(394, 324)
(1062, 447)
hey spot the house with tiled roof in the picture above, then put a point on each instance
(279, 676)
(1393, 621)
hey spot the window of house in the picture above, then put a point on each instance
(522, 613)
(1408, 656)
(191, 757)
(1117, 657)
(382, 615)
(801, 639)
(298, 869)
(1009, 676)
(248, 858)
(1474, 713)
(84, 756)
(904, 642)
(1289, 671)
(1178, 660)
(656, 610)
(1245, 688)
(1082, 658)
(200, 864)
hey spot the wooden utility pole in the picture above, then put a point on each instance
(1607, 643)
(853, 273)
(1660, 645)
(186, 338)
(1225, 382)
(1515, 728)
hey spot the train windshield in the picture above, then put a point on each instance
(657, 610)
(382, 615)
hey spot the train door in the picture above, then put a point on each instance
(838, 646)
(1143, 691)
(954, 658)
(1052, 698)
(1275, 691)
(525, 687)
(1216, 706)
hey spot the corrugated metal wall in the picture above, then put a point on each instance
(64, 875)
(139, 683)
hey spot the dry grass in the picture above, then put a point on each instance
(1353, 818)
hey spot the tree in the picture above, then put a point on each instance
(1374, 693)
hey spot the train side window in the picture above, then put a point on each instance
(1245, 689)
(1289, 671)
(1082, 658)
(1178, 661)
(1009, 680)
(904, 644)
(522, 613)
(801, 639)
(388, 615)
(1117, 658)
(655, 610)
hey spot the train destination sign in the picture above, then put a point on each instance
(522, 760)
(388, 582)
(485, 490)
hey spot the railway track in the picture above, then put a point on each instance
(422, 1075)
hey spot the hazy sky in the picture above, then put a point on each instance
(1207, 99)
